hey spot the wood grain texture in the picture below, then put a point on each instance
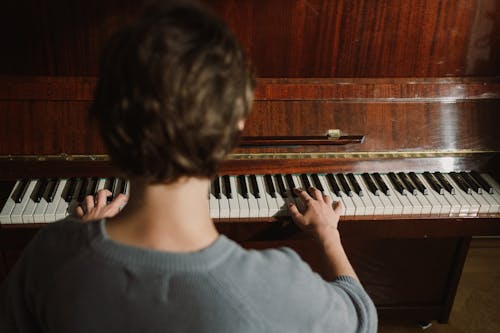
(47, 115)
(299, 38)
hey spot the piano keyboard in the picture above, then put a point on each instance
(261, 196)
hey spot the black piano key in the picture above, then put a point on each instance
(481, 181)
(54, 184)
(243, 186)
(281, 185)
(407, 183)
(93, 185)
(68, 196)
(420, 186)
(123, 187)
(216, 187)
(469, 180)
(396, 183)
(355, 185)
(447, 186)
(83, 190)
(41, 189)
(227, 186)
(21, 191)
(370, 184)
(460, 182)
(270, 186)
(381, 183)
(305, 182)
(113, 186)
(333, 183)
(254, 187)
(317, 182)
(436, 186)
(344, 184)
(291, 184)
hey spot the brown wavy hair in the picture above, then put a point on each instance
(172, 88)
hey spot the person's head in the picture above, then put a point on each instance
(173, 88)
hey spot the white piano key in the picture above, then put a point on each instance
(440, 206)
(244, 209)
(484, 206)
(456, 207)
(224, 209)
(424, 202)
(396, 207)
(62, 207)
(406, 205)
(29, 210)
(50, 213)
(253, 205)
(329, 192)
(272, 203)
(496, 192)
(465, 200)
(262, 202)
(378, 207)
(234, 207)
(494, 206)
(358, 204)
(9, 205)
(347, 203)
(17, 213)
(213, 206)
(101, 184)
(417, 206)
(301, 205)
(41, 208)
(74, 201)
(281, 202)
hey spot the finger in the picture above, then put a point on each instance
(303, 195)
(327, 199)
(79, 212)
(89, 203)
(102, 197)
(118, 202)
(297, 217)
(316, 194)
(338, 207)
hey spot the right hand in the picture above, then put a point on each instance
(321, 216)
(96, 208)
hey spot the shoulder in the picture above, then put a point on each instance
(53, 246)
(286, 295)
(276, 285)
(66, 234)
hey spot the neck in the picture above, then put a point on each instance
(170, 217)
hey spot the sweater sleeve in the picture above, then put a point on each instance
(287, 296)
(365, 311)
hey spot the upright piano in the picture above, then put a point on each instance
(390, 108)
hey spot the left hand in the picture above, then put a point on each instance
(96, 208)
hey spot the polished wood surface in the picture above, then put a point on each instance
(48, 115)
(298, 38)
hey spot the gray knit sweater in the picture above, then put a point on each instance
(74, 278)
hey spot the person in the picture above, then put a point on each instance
(173, 94)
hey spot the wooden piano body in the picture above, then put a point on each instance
(419, 81)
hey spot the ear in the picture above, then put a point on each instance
(241, 124)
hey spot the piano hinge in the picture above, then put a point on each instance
(287, 155)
